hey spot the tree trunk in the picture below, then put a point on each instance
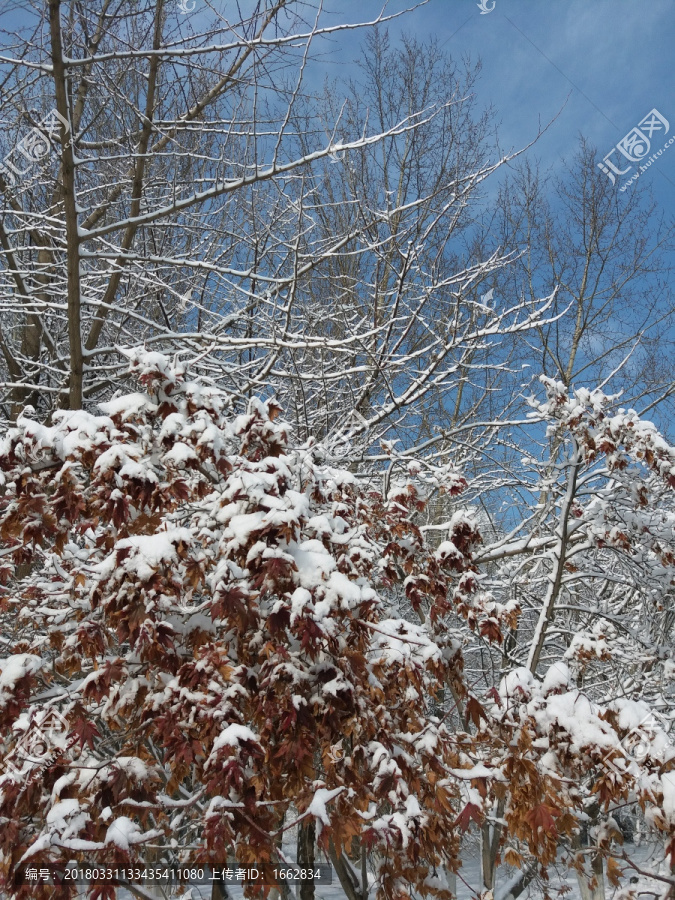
(555, 582)
(518, 884)
(219, 891)
(451, 881)
(70, 210)
(346, 875)
(306, 835)
(593, 887)
(489, 846)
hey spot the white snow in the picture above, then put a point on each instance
(517, 684)
(319, 803)
(13, 669)
(123, 832)
(148, 553)
(232, 735)
(558, 676)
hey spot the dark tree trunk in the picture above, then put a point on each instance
(219, 891)
(306, 835)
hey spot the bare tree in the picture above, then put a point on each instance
(102, 235)
(298, 247)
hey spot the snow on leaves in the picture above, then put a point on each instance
(621, 437)
(214, 602)
(210, 612)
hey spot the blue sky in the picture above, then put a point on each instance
(597, 67)
(602, 65)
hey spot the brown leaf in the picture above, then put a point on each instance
(614, 872)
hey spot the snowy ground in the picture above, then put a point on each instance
(562, 883)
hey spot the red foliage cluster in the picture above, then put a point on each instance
(207, 609)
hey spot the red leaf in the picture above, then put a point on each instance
(475, 712)
(494, 693)
(470, 811)
(490, 629)
(542, 817)
(84, 732)
(103, 892)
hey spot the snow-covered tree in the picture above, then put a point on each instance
(227, 637)
(201, 191)
(203, 622)
(206, 609)
(592, 568)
